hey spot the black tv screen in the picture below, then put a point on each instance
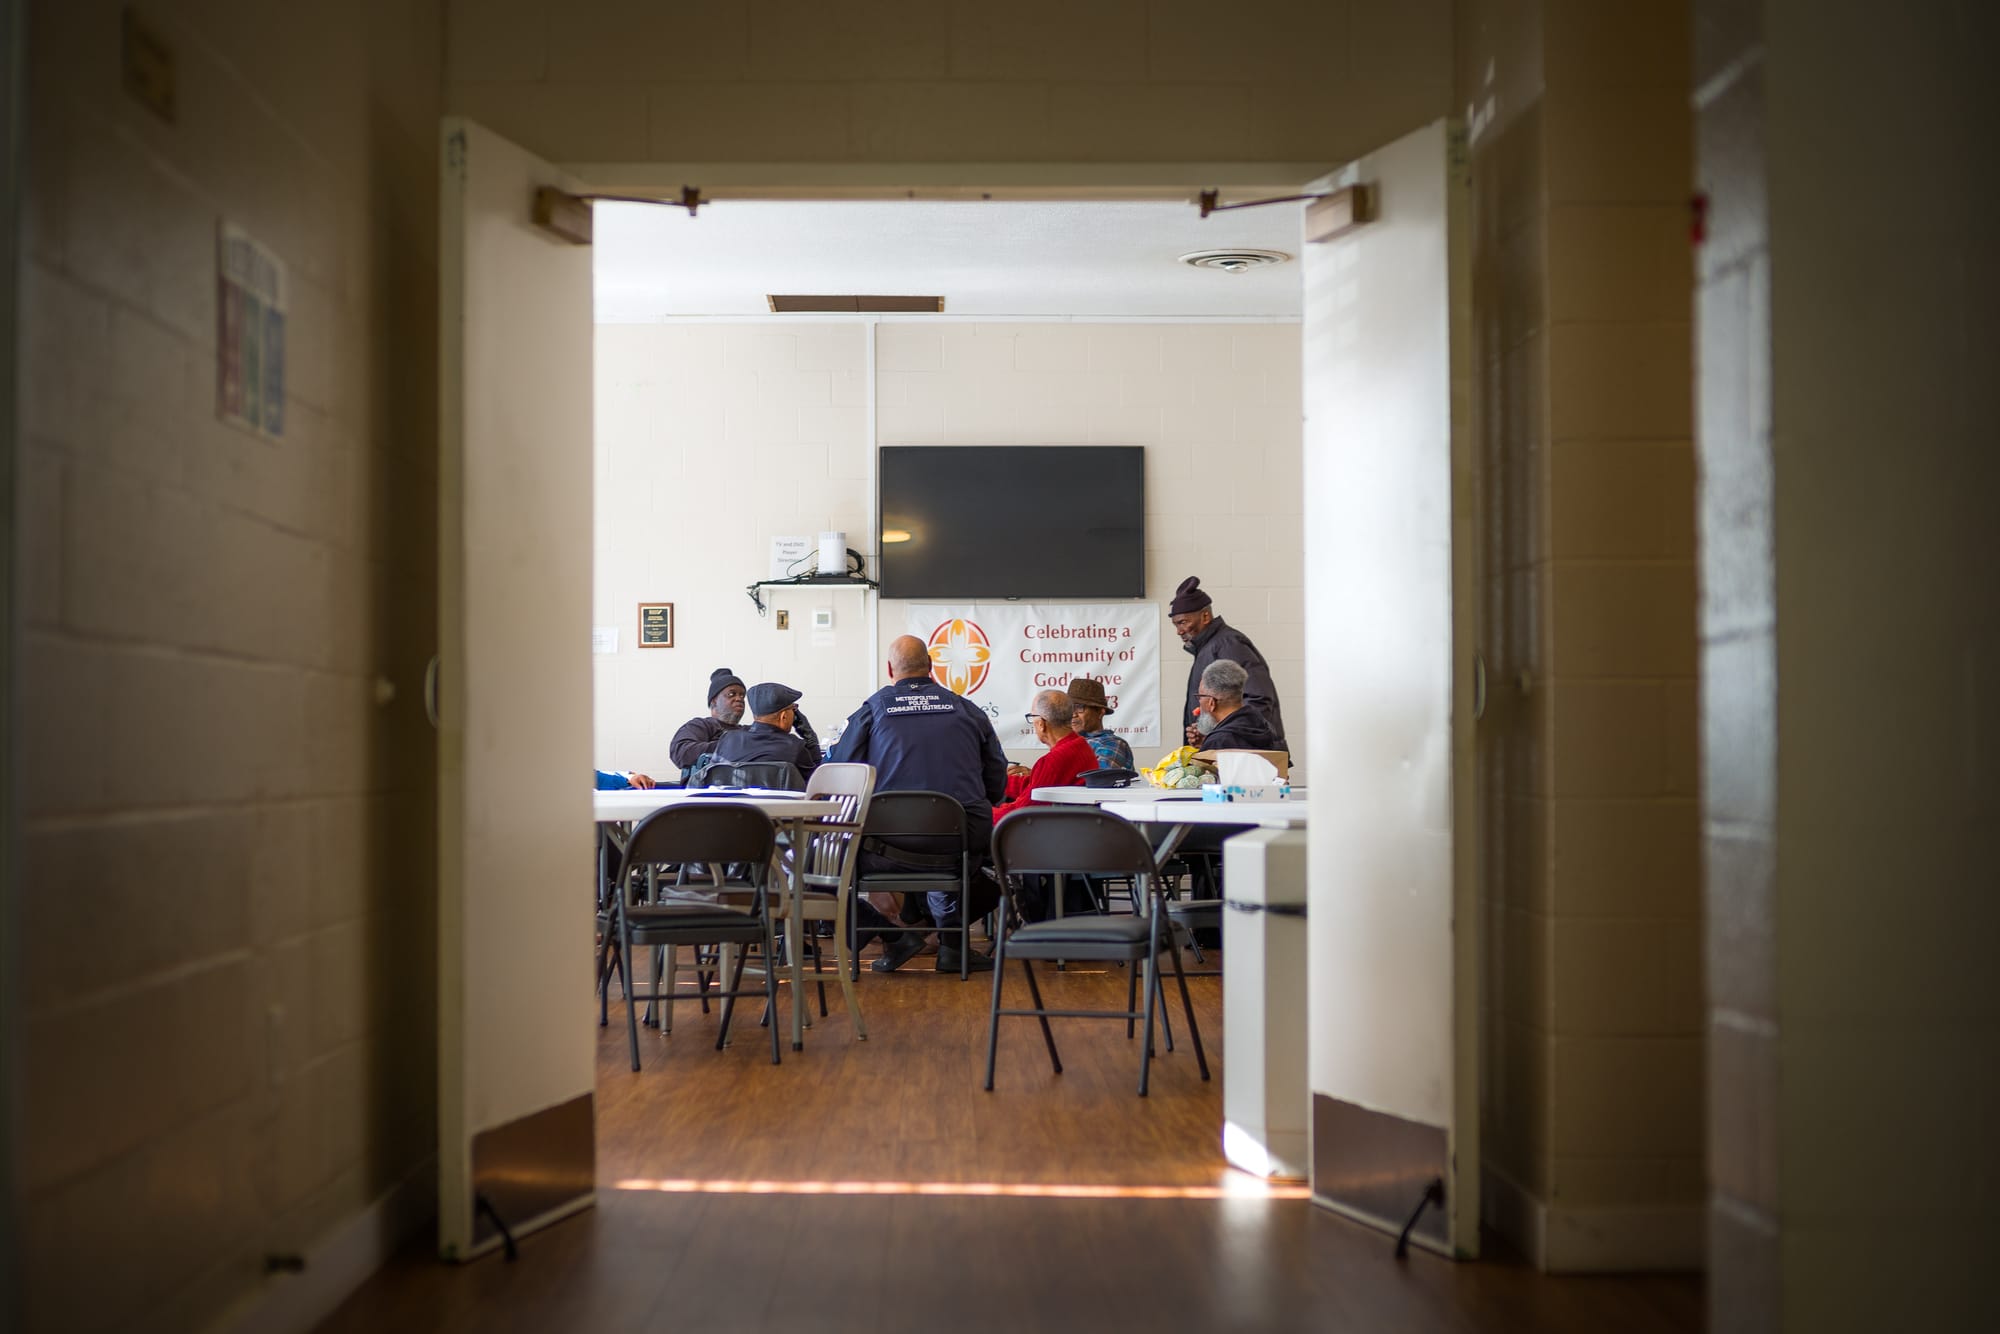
(1013, 521)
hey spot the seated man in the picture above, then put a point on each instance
(922, 737)
(1069, 758)
(1087, 714)
(1069, 755)
(774, 709)
(698, 736)
(1226, 721)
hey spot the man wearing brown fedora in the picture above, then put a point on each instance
(1088, 710)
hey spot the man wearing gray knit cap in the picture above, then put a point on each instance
(1205, 635)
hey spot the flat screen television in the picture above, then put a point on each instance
(1012, 521)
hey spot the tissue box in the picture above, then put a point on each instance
(1246, 791)
(1277, 759)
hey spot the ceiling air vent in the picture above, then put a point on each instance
(848, 305)
(1233, 261)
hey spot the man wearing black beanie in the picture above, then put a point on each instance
(698, 736)
(1210, 639)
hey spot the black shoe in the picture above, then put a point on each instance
(900, 951)
(947, 961)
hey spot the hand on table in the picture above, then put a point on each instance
(640, 780)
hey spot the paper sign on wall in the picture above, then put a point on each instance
(604, 639)
(250, 306)
(791, 556)
(999, 654)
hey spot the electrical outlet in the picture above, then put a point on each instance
(784, 620)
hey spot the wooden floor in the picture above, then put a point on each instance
(875, 1186)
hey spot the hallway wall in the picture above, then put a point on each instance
(1850, 637)
(950, 81)
(227, 862)
(1590, 869)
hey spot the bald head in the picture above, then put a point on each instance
(908, 656)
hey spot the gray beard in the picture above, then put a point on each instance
(1205, 723)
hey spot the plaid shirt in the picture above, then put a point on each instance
(1112, 752)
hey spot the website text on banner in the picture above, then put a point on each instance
(999, 654)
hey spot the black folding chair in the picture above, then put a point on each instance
(719, 832)
(781, 775)
(928, 831)
(1052, 840)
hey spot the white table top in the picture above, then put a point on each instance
(638, 803)
(1097, 796)
(1288, 814)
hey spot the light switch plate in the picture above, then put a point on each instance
(784, 619)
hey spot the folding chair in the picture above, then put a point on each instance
(1052, 840)
(716, 833)
(928, 831)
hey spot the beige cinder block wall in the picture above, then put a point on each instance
(227, 894)
(1850, 632)
(950, 81)
(1591, 884)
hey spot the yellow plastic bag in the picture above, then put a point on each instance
(1177, 769)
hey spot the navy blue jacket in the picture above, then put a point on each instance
(922, 737)
(761, 741)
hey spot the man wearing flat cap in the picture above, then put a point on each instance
(774, 710)
(1088, 709)
(698, 736)
(1210, 639)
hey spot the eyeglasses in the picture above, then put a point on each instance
(1210, 698)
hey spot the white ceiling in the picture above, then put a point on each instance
(985, 258)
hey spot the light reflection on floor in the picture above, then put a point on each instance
(1233, 1187)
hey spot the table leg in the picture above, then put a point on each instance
(1170, 843)
(795, 890)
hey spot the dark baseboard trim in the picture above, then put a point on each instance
(1373, 1167)
(535, 1170)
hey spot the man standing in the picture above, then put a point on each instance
(1069, 755)
(922, 737)
(698, 736)
(774, 710)
(1226, 721)
(1209, 638)
(1088, 710)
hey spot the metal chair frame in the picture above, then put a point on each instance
(715, 833)
(1049, 840)
(886, 819)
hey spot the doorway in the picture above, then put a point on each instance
(507, 913)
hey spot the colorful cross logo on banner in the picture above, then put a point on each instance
(961, 655)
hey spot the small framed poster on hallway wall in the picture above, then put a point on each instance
(656, 625)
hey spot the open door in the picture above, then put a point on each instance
(1393, 944)
(511, 698)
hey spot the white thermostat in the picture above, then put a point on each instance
(822, 618)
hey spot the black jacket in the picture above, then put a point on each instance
(697, 738)
(1220, 640)
(761, 741)
(1245, 729)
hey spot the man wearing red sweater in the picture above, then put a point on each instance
(1069, 754)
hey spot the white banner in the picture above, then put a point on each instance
(999, 654)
